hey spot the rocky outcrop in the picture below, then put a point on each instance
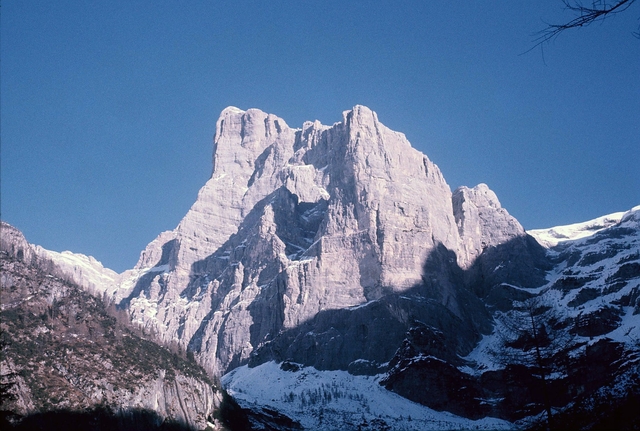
(497, 251)
(14, 244)
(481, 221)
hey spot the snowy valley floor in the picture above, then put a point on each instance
(337, 400)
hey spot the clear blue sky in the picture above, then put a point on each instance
(108, 108)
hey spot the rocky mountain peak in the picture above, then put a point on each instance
(242, 136)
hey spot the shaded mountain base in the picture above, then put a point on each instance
(595, 392)
(98, 419)
(613, 406)
(621, 414)
(236, 418)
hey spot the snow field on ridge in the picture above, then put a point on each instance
(550, 237)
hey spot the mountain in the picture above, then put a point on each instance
(297, 221)
(335, 264)
(68, 358)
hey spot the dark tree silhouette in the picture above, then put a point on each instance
(584, 14)
(7, 380)
(531, 334)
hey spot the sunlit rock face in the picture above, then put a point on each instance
(295, 221)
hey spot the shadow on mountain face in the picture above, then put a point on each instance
(169, 251)
(454, 302)
(247, 244)
(520, 262)
(98, 419)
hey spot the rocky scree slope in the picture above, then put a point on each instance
(62, 350)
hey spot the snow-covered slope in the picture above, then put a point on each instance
(597, 272)
(586, 317)
(84, 270)
(597, 265)
(337, 400)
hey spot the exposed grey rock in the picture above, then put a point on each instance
(13, 242)
(481, 221)
(292, 222)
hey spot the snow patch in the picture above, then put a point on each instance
(233, 110)
(555, 235)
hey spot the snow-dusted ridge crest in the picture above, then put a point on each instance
(550, 237)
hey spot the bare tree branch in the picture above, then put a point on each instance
(598, 11)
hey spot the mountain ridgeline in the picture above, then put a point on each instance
(342, 248)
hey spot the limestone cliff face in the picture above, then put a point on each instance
(295, 221)
(14, 244)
